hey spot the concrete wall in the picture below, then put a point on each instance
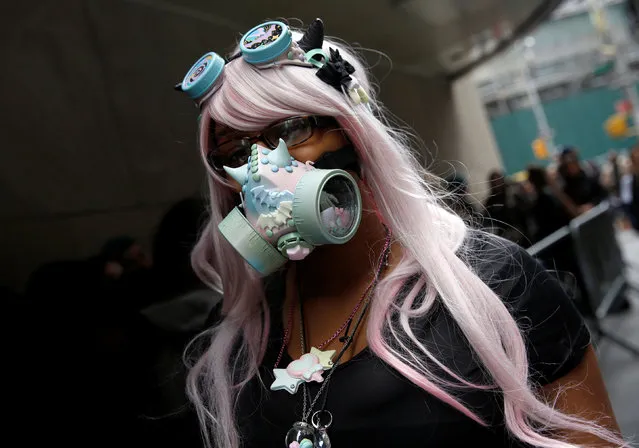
(476, 148)
(95, 142)
(451, 121)
(425, 106)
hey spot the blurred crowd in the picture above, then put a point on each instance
(545, 199)
(100, 342)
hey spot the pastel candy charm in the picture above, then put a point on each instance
(301, 434)
(308, 368)
(324, 357)
(283, 381)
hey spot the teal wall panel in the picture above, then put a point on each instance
(576, 120)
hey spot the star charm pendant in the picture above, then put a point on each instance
(283, 381)
(324, 357)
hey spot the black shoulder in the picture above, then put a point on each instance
(554, 332)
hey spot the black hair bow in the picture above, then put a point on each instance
(336, 71)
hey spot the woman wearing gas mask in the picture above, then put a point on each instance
(357, 310)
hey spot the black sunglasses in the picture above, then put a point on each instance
(235, 150)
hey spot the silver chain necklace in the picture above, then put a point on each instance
(315, 435)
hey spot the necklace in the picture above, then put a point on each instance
(314, 435)
(317, 350)
(310, 366)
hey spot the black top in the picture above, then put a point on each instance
(373, 406)
(633, 207)
(584, 189)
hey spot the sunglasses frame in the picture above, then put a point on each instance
(316, 122)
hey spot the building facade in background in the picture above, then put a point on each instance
(577, 84)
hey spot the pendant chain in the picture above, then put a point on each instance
(345, 326)
(348, 339)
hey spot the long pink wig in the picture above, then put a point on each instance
(433, 240)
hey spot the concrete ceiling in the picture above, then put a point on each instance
(86, 85)
(423, 37)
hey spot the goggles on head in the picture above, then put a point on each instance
(267, 45)
(271, 45)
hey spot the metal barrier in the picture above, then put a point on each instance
(549, 242)
(599, 257)
(596, 261)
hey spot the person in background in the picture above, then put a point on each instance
(174, 239)
(629, 189)
(83, 308)
(179, 310)
(127, 273)
(77, 281)
(552, 210)
(615, 173)
(505, 209)
(632, 12)
(123, 255)
(547, 211)
(459, 200)
(580, 181)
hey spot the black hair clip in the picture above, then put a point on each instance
(336, 72)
